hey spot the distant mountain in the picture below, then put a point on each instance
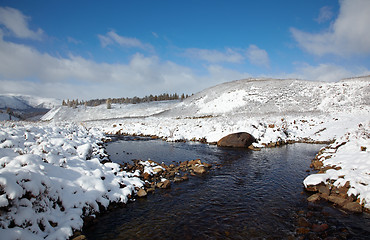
(25, 106)
(24, 102)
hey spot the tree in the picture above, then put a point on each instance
(109, 103)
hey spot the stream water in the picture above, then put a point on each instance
(253, 195)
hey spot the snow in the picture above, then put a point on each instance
(22, 102)
(46, 183)
(51, 173)
(354, 160)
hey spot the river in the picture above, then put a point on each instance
(252, 195)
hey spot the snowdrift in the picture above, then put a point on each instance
(52, 176)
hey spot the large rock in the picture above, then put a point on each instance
(241, 139)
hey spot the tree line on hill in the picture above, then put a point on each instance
(133, 100)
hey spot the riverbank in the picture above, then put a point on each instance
(343, 176)
(54, 175)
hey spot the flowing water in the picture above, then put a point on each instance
(253, 195)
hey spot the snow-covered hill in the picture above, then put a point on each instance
(24, 106)
(84, 113)
(25, 102)
(253, 97)
(249, 97)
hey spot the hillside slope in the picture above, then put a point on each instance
(248, 98)
(23, 102)
(24, 106)
(253, 97)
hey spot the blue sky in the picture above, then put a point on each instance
(97, 49)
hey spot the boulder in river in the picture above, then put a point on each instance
(241, 139)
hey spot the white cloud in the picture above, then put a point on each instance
(73, 40)
(325, 72)
(75, 76)
(113, 38)
(16, 24)
(215, 56)
(257, 56)
(222, 74)
(348, 35)
(325, 14)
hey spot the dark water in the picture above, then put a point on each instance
(254, 195)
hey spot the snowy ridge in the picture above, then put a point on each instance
(252, 97)
(249, 97)
(82, 113)
(23, 102)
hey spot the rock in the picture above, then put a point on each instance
(338, 200)
(320, 227)
(185, 178)
(199, 169)
(158, 170)
(145, 176)
(317, 164)
(151, 189)
(141, 193)
(353, 207)
(166, 184)
(207, 165)
(324, 189)
(251, 147)
(80, 237)
(178, 179)
(302, 222)
(241, 139)
(302, 230)
(313, 198)
(194, 162)
(324, 196)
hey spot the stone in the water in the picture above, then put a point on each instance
(199, 169)
(241, 139)
(320, 227)
(302, 222)
(324, 189)
(165, 184)
(338, 200)
(178, 179)
(353, 207)
(80, 237)
(141, 193)
(313, 198)
(302, 230)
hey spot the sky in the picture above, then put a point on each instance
(100, 49)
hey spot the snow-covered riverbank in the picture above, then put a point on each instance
(53, 175)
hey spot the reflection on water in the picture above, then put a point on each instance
(253, 195)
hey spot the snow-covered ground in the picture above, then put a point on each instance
(350, 153)
(44, 167)
(51, 176)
